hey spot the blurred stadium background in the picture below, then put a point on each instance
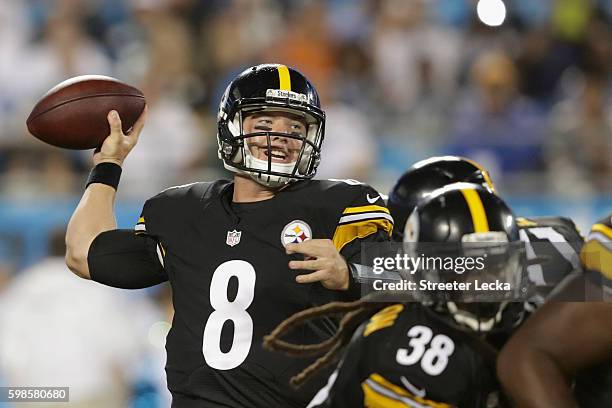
(527, 95)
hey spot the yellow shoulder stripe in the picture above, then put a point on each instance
(596, 257)
(374, 399)
(380, 393)
(347, 233)
(385, 318)
(603, 228)
(365, 208)
(284, 78)
(522, 222)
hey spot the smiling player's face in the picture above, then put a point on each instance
(284, 149)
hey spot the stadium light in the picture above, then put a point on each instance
(491, 12)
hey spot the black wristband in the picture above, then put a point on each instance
(105, 173)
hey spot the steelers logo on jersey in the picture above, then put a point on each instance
(295, 232)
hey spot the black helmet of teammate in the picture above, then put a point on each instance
(270, 87)
(465, 220)
(426, 176)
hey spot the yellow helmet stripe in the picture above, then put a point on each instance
(479, 215)
(284, 78)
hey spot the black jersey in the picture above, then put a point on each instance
(232, 285)
(406, 356)
(555, 242)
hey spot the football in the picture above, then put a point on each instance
(73, 114)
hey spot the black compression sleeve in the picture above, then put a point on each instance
(120, 259)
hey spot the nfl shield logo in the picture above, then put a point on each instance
(233, 238)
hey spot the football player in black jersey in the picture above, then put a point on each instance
(240, 255)
(562, 356)
(554, 242)
(418, 355)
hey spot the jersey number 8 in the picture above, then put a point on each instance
(226, 310)
(433, 359)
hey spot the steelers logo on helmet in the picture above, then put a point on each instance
(295, 232)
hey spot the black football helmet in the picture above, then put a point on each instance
(270, 87)
(426, 176)
(464, 220)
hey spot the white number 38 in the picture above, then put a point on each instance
(433, 359)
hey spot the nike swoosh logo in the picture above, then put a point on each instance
(419, 392)
(372, 200)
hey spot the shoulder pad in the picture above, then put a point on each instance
(606, 221)
(162, 211)
(196, 190)
(596, 255)
(342, 193)
(565, 226)
(383, 319)
(565, 222)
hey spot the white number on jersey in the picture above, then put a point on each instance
(433, 359)
(226, 310)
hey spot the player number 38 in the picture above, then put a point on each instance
(225, 310)
(432, 351)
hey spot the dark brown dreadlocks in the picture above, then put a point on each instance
(354, 314)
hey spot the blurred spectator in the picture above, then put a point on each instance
(236, 36)
(570, 18)
(349, 20)
(401, 45)
(579, 151)
(541, 63)
(346, 153)
(172, 140)
(63, 51)
(20, 177)
(37, 173)
(60, 330)
(598, 48)
(492, 119)
(307, 44)
(14, 36)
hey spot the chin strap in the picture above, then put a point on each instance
(267, 179)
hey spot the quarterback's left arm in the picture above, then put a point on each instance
(364, 219)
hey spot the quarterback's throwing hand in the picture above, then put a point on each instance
(117, 145)
(322, 257)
